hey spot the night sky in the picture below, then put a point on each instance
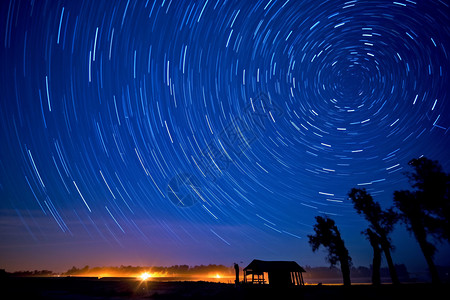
(197, 132)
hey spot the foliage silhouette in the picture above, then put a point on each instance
(327, 235)
(176, 270)
(432, 186)
(425, 211)
(381, 222)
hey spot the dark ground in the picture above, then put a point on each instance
(126, 288)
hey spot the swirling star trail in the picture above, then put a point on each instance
(211, 131)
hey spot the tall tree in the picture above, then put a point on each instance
(416, 221)
(381, 222)
(432, 189)
(374, 240)
(327, 235)
(426, 210)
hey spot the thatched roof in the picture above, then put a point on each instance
(259, 266)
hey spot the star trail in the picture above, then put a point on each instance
(211, 131)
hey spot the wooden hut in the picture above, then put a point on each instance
(279, 273)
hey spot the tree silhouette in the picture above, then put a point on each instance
(416, 219)
(327, 234)
(425, 211)
(381, 222)
(375, 242)
(432, 186)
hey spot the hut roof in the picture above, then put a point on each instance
(259, 266)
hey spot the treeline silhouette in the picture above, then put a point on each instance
(318, 273)
(425, 210)
(126, 271)
(177, 270)
(356, 272)
(35, 273)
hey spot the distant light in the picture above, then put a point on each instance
(145, 276)
(218, 276)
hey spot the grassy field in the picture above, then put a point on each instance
(125, 288)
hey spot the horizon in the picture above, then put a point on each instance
(216, 273)
(164, 133)
(191, 268)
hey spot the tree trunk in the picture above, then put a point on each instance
(433, 270)
(374, 240)
(427, 251)
(391, 265)
(376, 266)
(345, 270)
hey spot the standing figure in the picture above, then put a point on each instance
(236, 269)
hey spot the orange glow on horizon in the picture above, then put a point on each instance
(145, 276)
(148, 275)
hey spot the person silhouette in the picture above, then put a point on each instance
(236, 269)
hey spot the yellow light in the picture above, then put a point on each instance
(145, 276)
(103, 275)
(218, 276)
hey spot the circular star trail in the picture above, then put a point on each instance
(211, 122)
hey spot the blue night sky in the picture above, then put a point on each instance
(197, 132)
